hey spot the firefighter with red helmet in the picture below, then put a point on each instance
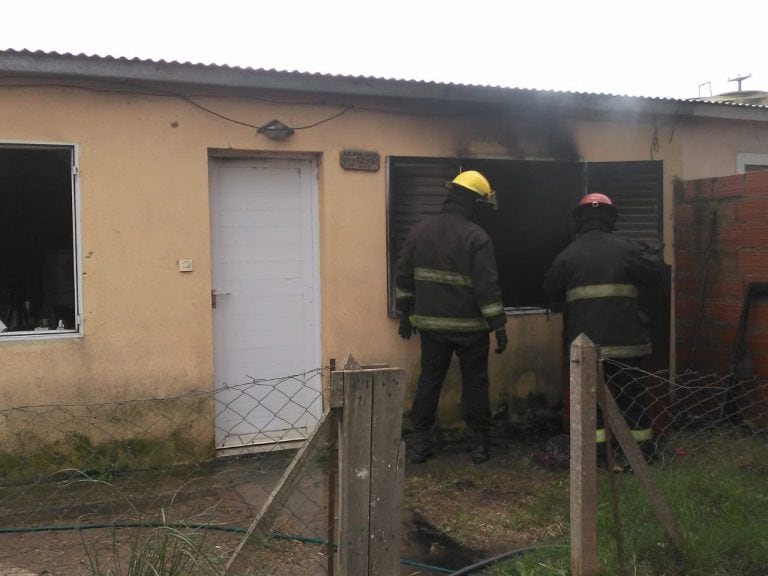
(597, 281)
(446, 289)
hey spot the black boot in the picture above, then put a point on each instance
(480, 449)
(421, 448)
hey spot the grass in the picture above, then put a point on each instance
(718, 494)
(172, 551)
(717, 488)
(74, 451)
(162, 551)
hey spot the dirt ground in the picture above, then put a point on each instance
(455, 513)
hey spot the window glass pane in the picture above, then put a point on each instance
(37, 268)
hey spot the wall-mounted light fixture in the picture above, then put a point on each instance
(275, 130)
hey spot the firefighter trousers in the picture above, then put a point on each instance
(437, 349)
(627, 383)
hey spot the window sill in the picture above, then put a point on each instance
(38, 335)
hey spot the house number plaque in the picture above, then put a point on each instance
(359, 160)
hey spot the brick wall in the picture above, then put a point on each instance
(714, 262)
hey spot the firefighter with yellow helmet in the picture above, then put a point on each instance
(447, 290)
(597, 281)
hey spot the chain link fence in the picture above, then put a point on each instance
(95, 488)
(706, 438)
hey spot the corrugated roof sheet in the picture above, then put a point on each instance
(54, 63)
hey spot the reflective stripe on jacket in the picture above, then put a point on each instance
(447, 276)
(599, 277)
(601, 291)
(640, 435)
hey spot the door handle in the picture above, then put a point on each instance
(214, 294)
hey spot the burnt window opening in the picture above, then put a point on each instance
(38, 287)
(534, 218)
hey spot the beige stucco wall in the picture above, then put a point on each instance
(710, 147)
(144, 203)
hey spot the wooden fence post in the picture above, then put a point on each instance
(371, 471)
(583, 480)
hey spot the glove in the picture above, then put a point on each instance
(405, 329)
(501, 340)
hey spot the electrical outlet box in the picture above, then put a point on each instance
(185, 264)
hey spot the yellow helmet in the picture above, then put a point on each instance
(475, 182)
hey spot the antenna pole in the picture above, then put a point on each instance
(739, 79)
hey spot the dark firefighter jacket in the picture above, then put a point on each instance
(447, 276)
(599, 277)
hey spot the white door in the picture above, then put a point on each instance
(265, 287)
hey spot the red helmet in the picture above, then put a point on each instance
(594, 200)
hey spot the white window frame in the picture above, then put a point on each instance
(744, 159)
(77, 332)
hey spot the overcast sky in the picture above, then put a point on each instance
(646, 48)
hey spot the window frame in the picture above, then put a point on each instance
(584, 165)
(744, 159)
(77, 280)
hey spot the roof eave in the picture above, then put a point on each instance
(149, 72)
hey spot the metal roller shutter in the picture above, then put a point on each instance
(636, 189)
(416, 191)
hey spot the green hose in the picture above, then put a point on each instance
(488, 561)
(142, 524)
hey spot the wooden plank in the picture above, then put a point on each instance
(640, 468)
(377, 366)
(583, 478)
(386, 473)
(333, 474)
(336, 399)
(354, 537)
(274, 504)
(341, 489)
